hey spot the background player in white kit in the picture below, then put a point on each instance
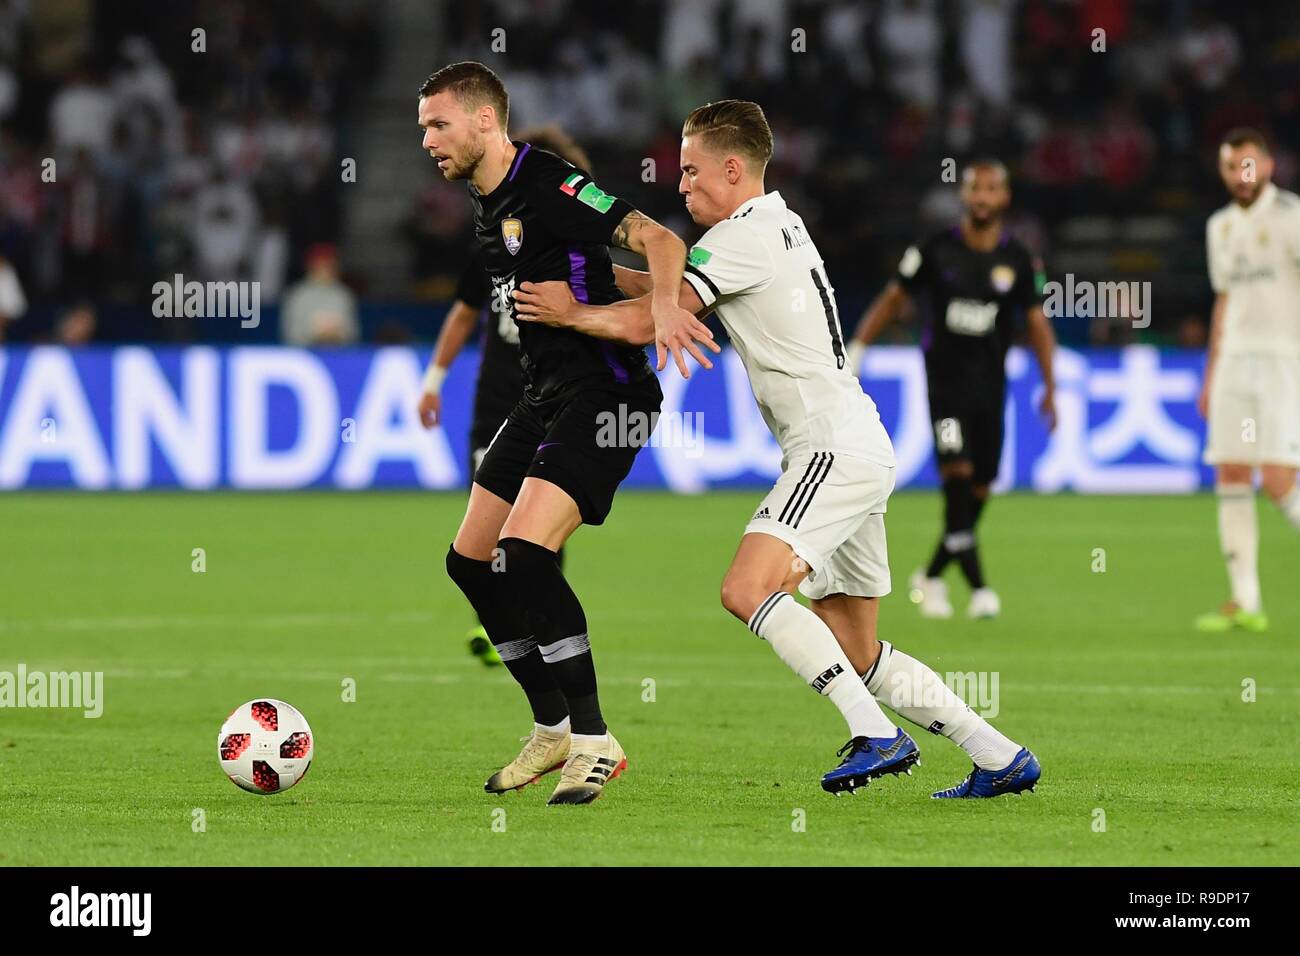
(821, 528)
(1251, 394)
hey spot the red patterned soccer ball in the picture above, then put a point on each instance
(265, 746)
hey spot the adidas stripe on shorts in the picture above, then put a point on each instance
(830, 508)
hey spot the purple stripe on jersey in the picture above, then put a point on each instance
(578, 274)
(620, 373)
(578, 283)
(514, 167)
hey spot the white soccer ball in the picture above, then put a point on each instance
(265, 746)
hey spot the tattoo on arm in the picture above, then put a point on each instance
(628, 231)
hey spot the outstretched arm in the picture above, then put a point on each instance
(630, 321)
(675, 328)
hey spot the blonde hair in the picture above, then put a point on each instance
(732, 126)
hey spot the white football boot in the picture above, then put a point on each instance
(984, 603)
(930, 595)
(585, 774)
(543, 752)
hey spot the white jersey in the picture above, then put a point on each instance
(762, 274)
(1254, 256)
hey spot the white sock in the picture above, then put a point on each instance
(1239, 541)
(1290, 505)
(588, 743)
(806, 644)
(915, 692)
(553, 728)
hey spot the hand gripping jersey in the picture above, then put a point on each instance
(548, 220)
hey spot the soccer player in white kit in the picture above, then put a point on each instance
(821, 528)
(1251, 394)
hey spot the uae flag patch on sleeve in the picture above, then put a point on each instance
(570, 186)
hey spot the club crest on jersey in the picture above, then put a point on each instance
(512, 233)
(1002, 278)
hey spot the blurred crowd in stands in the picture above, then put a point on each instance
(226, 165)
(132, 149)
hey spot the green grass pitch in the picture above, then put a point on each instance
(1133, 714)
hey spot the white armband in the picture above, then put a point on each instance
(434, 376)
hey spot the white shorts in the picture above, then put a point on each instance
(1254, 411)
(830, 508)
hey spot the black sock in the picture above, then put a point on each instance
(559, 560)
(969, 559)
(975, 573)
(960, 507)
(536, 583)
(940, 560)
(508, 630)
(956, 515)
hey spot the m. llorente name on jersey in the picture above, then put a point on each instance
(547, 220)
(794, 236)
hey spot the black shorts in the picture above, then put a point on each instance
(968, 425)
(584, 443)
(483, 428)
(498, 389)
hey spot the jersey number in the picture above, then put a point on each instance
(832, 314)
(500, 306)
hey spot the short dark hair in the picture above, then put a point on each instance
(1246, 135)
(732, 126)
(987, 162)
(474, 85)
(555, 140)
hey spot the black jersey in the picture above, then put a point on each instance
(970, 302)
(548, 220)
(500, 379)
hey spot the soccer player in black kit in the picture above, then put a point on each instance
(973, 282)
(500, 382)
(548, 470)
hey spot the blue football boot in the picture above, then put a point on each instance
(1019, 775)
(870, 757)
